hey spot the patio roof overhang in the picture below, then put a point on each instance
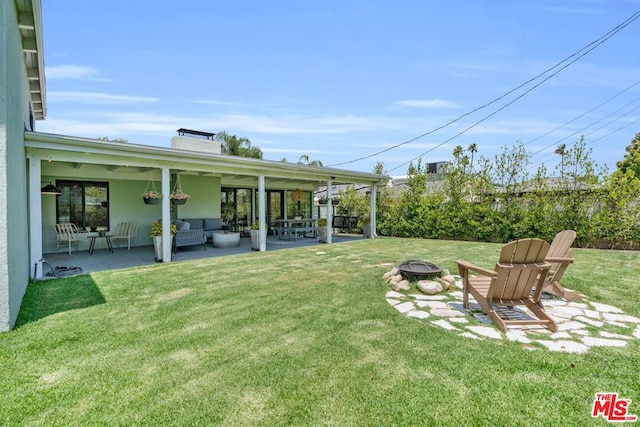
(138, 160)
(30, 26)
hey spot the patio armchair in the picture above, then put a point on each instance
(67, 234)
(520, 268)
(185, 236)
(125, 231)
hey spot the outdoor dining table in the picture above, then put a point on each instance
(292, 227)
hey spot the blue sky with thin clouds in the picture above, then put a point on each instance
(340, 80)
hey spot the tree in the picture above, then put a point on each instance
(234, 146)
(304, 160)
(106, 138)
(473, 148)
(631, 160)
(561, 150)
(378, 168)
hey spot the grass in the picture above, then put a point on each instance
(298, 336)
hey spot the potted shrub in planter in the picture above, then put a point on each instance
(255, 235)
(322, 229)
(156, 235)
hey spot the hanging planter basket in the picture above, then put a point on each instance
(151, 201)
(151, 195)
(177, 196)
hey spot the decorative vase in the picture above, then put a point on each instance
(178, 201)
(255, 240)
(150, 201)
(157, 245)
(322, 233)
(366, 230)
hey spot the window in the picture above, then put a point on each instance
(84, 203)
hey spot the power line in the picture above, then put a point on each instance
(590, 47)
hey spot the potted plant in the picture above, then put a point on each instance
(177, 197)
(151, 197)
(322, 229)
(255, 235)
(156, 235)
(227, 214)
(367, 230)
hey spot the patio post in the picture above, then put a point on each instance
(166, 215)
(329, 213)
(372, 209)
(35, 217)
(262, 213)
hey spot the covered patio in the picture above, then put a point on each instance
(107, 179)
(138, 256)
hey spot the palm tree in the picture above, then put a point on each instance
(304, 160)
(473, 148)
(561, 150)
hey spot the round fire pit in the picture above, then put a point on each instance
(416, 269)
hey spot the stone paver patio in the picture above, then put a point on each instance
(581, 325)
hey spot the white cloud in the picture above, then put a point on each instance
(97, 98)
(73, 72)
(427, 103)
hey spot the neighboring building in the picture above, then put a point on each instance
(103, 181)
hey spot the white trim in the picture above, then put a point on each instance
(35, 218)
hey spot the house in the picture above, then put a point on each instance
(102, 182)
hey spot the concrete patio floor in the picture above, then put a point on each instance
(102, 259)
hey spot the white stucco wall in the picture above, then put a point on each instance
(14, 115)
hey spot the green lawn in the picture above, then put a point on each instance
(299, 336)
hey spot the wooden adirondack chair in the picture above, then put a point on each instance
(560, 256)
(520, 268)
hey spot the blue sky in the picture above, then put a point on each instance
(340, 80)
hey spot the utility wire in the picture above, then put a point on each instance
(590, 47)
(539, 161)
(581, 116)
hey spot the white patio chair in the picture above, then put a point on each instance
(67, 234)
(125, 231)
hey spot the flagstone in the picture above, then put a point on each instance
(458, 320)
(567, 312)
(559, 335)
(570, 326)
(606, 334)
(435, 304)
(446, 312)
(418, 314)
(428, 297)
(445, 325)
(588, 321)
(603, 342)
(394, 294)
(620, 318)
(594, 314)
(636, 333)
(517, 335)
(393, 301)
(618, 324)
(405, 307)
(470, 335)
(577, 304)
(485, 331)
(605, 307)
(564, 346)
